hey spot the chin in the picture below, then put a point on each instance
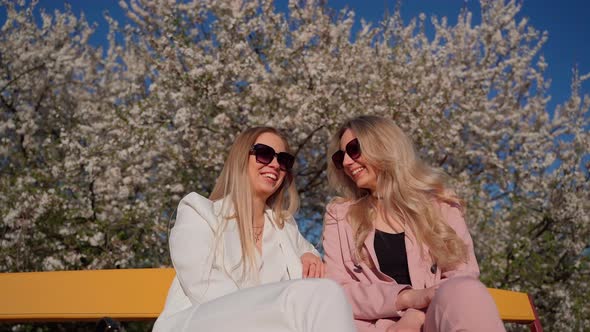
(361, 184)
(266, 193)
(365, 186)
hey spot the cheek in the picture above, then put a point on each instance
(372, 177)
(347, 172)
(252, 173)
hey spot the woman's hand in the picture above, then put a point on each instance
(412, 320)
(313, 267)
(415, 298)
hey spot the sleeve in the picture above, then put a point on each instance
(191, 249)
(301, 244)
(455, 219)
(371, 300)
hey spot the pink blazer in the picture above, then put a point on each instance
(372, 293)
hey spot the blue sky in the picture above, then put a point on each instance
(565, 21)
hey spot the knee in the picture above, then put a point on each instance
(460, 290)
(326, 287)
(465, 302)
(461, 285)
(321, 289)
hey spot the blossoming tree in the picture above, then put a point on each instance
(99, 145)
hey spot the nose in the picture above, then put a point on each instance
(274, 163)
(347, 160)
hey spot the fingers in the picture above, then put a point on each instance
(306, 265)
(320, 268)
(313, 267)
(416, 298)
(412, 320)
(312, 270)
(434, 291)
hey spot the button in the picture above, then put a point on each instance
(358, 268)
(433, 268)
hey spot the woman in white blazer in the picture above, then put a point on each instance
(238, 254)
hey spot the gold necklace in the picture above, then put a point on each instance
(258, 234)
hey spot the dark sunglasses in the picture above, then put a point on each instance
(265, 154)
(353, 150)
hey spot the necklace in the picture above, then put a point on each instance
(258, 234)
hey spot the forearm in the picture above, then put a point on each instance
(373, 301)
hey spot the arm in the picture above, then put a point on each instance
(191, 245)
(371, 300)
(311, 261)
(301, 244)
(454, 218)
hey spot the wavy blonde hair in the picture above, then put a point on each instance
(409, 188)
(234, 184)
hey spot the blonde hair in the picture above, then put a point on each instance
(409, 188)
(234, 185)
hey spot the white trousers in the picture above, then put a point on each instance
(303, 305)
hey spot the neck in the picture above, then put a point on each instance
(258, 207)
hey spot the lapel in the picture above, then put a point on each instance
(412, 252)
(292, 260)
(232, 245)
(232, 248)
(347, 236)
(345, 233)
(414, 259)
(370, 246)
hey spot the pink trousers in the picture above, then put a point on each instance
(462, 304)
(459, 304)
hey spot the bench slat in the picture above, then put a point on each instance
(134, 294)
(127, 294)
(513, 306)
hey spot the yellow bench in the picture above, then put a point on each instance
(139, 294)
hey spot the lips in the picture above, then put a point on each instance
(270, 177)
(355, 172)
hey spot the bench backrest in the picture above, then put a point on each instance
(139, 294)
(127, 294)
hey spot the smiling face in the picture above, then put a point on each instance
(363, 174)
(266, 179)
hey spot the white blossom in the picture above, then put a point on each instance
(97, 147)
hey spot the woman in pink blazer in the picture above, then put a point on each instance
(396, 240)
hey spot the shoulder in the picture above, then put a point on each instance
(337, 210)
(452, 214)
(195, 205)
(195, 200)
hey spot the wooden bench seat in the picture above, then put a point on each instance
(139, 294)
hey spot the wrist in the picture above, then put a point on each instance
(401, 301)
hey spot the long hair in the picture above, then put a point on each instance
(409, 189)
(234, 185)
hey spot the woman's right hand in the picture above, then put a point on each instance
(312, 265)
(415, 298)
(412, 320)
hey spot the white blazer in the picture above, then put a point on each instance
(202, 276)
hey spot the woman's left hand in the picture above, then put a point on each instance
(313, 267)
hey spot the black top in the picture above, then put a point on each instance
(391, 254)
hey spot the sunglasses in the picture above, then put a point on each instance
(265, 154)
(352, 149)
